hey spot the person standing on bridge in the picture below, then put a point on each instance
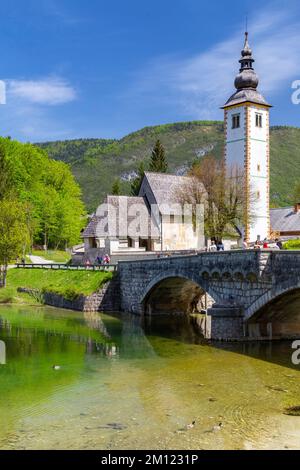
(220, 246)
(213, 246)
(245, 244)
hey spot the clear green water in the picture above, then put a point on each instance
(121, 386)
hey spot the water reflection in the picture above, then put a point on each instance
(149, 377)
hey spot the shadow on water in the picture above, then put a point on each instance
(137, 334)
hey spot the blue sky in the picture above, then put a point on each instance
(95, 68)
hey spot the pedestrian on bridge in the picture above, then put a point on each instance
(220, 246)
(213, 246)
(245, 244)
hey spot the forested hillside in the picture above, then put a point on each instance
(96, 163)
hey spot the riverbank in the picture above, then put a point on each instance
(71, 285)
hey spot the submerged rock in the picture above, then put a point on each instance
(276, 388)
(114, 426)
(292, 411)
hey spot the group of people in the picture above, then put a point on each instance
(216, 245)
(265, 244)
(100, 260)
(103, 260)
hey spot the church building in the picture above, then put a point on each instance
(247, 147)
(247, 156)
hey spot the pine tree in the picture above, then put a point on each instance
(116, 188)
(158, 163)
(136, 183)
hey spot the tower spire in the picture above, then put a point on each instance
(247, 78)
(246, 51)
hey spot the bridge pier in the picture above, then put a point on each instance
(225, 323)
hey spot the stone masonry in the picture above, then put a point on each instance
(106, 299)
(240, 282)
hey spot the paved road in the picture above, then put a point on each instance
(39, 260)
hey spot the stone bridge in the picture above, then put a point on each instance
(246, 294)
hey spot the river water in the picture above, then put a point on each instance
(118, 384)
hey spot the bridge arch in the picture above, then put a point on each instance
(176, 292)
(273, 294)
(276, 314)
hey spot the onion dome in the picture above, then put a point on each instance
(246, 81)
(247, 78)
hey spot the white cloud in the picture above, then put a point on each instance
(200, 84)
(30, 114)
(49, 91)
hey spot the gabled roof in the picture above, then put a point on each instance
(90, 229)
(168, 189)
(285, 219)
(117, 214)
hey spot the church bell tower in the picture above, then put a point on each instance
(247, 147)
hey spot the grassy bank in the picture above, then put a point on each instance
(70, 284)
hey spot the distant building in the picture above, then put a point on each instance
(152, 222)
(285, 221)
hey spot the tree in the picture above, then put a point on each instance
(5, 173)
(158, 162)
(13, 234)
(116, 187)
(48, 191)
(225, 196)
(136, 183)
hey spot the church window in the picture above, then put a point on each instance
(258, 194)
(235, 121)
(258, 167)
(258, 120)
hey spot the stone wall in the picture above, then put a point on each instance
(107, 299)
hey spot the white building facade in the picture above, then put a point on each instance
(247, 147)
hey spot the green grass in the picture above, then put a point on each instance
(56, 256)
(70, 284)
(9, 295)
(292, 245)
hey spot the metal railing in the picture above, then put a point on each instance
(66, 267)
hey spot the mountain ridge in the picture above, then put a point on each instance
(97, 162)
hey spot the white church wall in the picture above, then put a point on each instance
(259, 173)
(235, 139)
(180, 236)
(250, 136)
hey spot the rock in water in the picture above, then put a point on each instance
(292, 411)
